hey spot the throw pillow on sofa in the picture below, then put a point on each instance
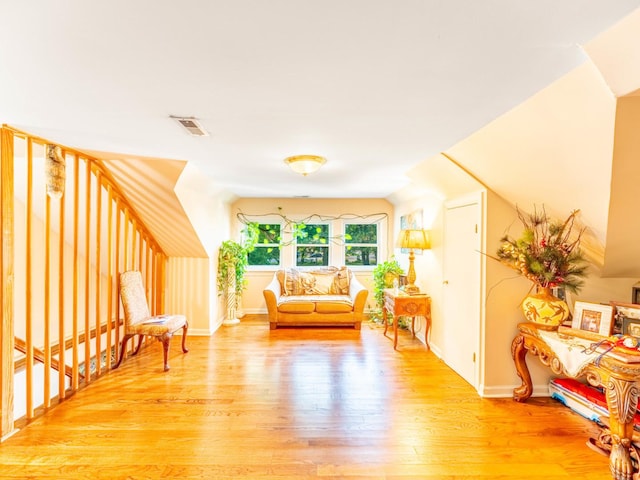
(324, 281)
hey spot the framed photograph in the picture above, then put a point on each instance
(625, 315)
(631, 326)
(411, 221)
(593, 317)
(635, 293)
(559, 292)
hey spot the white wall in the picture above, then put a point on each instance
(189, 292)
(428, 264)
(503, 288)
(192, 282)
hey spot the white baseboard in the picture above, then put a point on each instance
(436, 351)
(10, 434)
(255, 311)
(506, 391)
(200, 332)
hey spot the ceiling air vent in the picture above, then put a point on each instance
(191, 125)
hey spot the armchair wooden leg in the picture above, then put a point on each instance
(184, 338)
(140, 339)
(166, 341)
(122, 350)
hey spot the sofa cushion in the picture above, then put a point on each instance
(292, 283)
(315, 303)
(341, 281)
(334, 304)
(296, 304)
(318, 282)
(324, 281)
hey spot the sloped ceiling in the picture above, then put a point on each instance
(377, 86)
(149, 186)
(382, 90)
(622, 257)
(573, 145)
(555, 149)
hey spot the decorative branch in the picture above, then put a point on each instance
(296, 228)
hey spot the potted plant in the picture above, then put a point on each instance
(232, 266)
(547, 253)
(383, 275)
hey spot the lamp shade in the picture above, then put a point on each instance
(305, 164)
(414, 239)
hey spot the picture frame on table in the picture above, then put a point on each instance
(631, 326)
(626, 318)
(593, 317)
(635, 293)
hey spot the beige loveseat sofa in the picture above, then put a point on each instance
(318, 297)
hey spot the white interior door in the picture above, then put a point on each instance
(462, 286)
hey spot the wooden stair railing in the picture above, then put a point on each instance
(39, 355)
(94, 230)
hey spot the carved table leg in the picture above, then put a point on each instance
(395, 332)
(622, 401)
(427, 330)
(384, 319)
(519, 354)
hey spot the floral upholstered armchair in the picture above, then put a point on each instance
(139, 321)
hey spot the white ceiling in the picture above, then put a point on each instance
(376, 86)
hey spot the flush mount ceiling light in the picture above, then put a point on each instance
(191, 125)
(305, 164)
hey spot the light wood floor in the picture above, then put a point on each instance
(250, 403)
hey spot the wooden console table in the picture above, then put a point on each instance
(618, 378)
(400, 304)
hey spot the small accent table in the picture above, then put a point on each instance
(401, 304)
(619, 379)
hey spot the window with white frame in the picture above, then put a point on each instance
(358, 241)
(360, 244)
(267, 249)
(312, 244)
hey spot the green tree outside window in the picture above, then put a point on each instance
(312, 245)
(266, 251)
(361, 244)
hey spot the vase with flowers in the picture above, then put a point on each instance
(547, 253)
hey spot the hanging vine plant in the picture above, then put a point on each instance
(233, 255)
(296, 230)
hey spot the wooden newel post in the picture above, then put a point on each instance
(6, 283)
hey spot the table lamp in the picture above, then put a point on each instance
(413, 239)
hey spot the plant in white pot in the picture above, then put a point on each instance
(232, 266)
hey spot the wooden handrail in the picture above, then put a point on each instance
(39, 355)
